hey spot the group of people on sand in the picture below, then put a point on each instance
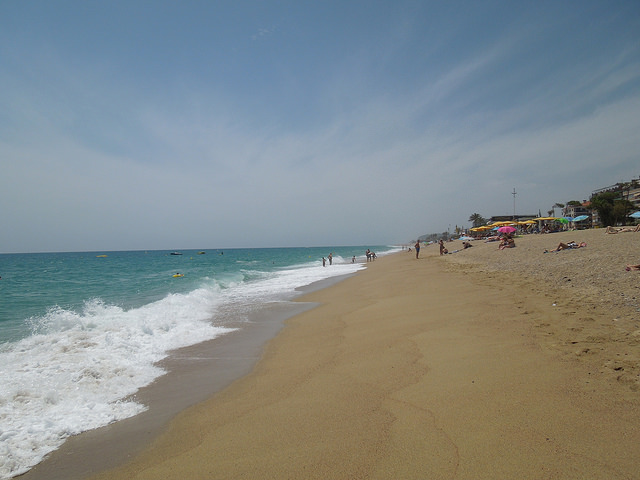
(507, 241)
(573, 245)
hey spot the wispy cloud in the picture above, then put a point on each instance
(263, 33)
(364, 146)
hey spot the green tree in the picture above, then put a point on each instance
(622, 209)
(477, 220)
(611, 208)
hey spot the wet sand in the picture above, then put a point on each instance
(480, 364)
(195, 374)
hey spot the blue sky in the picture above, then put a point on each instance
(202, 124)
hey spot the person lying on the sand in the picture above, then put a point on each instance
(567, 246)
(611, 229)
(633, 267)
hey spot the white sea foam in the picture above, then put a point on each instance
(286, 281)
(78, 371)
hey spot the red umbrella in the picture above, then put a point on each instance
(506, 229)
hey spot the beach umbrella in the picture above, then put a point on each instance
(506, 229)
(544, 218)
(580, 218)
(635, 215)
(562, 220)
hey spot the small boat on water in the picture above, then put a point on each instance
(201, 253)
(176, 253)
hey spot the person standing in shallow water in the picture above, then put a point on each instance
(417, 247)
(324, 262)
(331, 259)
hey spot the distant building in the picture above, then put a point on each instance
(574, 211)
(507, 218)
(627, 190)
(633, 195)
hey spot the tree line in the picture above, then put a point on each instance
(612, 209)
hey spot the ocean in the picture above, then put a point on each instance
(80, 333)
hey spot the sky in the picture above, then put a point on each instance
(139, 124)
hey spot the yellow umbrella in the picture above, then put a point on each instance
(499, 224)
(545, 218)
(527, 222)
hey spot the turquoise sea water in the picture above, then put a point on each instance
(81, 332)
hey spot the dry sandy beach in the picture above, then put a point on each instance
(482, 364)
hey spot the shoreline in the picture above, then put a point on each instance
(202, 370)
(430, 368)
(466, 365)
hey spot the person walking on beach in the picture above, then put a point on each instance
(417, 247)
(442, 249)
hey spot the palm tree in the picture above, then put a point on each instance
(477, 220)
